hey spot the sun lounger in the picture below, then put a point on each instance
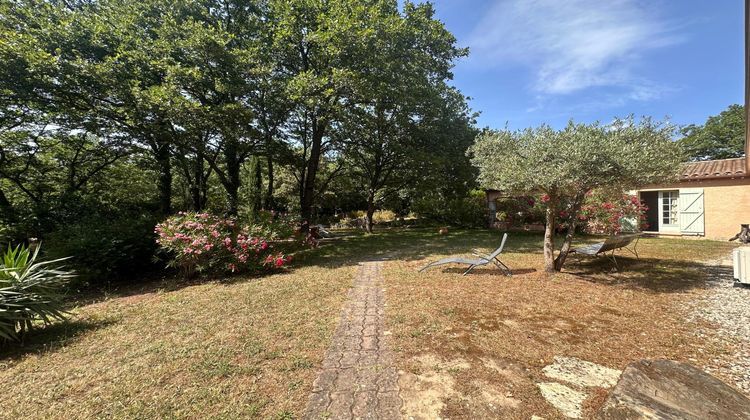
(473, 263)
(612, 244)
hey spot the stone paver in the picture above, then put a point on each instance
(358, 379)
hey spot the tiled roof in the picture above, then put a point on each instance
(711, 169)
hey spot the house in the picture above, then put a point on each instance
(711, 199)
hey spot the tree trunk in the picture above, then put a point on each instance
(198, 189)
(370, 211)
(164, 162)
(744, 235)
(7, 212)
(308, 191)
(232, 184)
(565, 250)
(256, 186)
(549, 237)
(268, 203)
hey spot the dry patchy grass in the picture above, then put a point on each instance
(503, 331)
(251, 347)
(243, 349)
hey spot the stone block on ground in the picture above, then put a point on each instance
(568, 400)
(582, 373)
(664, 389)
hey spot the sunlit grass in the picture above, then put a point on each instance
(251, 347)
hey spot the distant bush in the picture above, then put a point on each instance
(350, 223)
(30, 292)
(270, 225)
(517, 211)
(469, 211)
(201, 242)
(358, 214)
(383, 216)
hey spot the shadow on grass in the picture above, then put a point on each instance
(50, 338)
(682, 271)
(650, 274)
(489, 271)
(412, 244)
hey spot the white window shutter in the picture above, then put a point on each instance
(691, 211)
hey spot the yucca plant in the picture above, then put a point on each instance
(30, 292)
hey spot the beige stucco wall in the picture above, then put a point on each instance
(726, 204)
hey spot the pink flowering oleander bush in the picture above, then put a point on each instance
(609, 214)
(201, 242)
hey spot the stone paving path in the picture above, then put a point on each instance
(358, 379)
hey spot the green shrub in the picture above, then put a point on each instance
(30, 292)
(105, 250)
(469, 211)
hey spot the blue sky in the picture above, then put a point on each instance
(546, 61)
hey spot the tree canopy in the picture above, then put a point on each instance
(720, 137)
(564, 165)
(222, 105)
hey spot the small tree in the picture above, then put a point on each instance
(563, 165)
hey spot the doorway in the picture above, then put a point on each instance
(651, 200)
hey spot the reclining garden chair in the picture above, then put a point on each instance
(628, 242)
(474, 263)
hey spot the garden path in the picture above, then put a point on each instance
(358, 379)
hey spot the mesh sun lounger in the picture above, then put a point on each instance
(474, 263)
(612, 244)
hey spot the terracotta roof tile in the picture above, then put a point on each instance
(710, 169)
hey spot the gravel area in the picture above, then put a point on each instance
(723, 316)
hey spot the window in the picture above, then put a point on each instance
(669, 207)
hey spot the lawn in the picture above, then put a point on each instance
(468, 347)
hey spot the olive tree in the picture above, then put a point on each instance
(565, 164)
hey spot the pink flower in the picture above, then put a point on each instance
(279, 262)
(545, 198)
(264, 245)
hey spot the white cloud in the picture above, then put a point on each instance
(573, 45)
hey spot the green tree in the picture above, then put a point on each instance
(566, 164)
(49, 171)
(402, 67)
(721, 137)
(318, 42)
